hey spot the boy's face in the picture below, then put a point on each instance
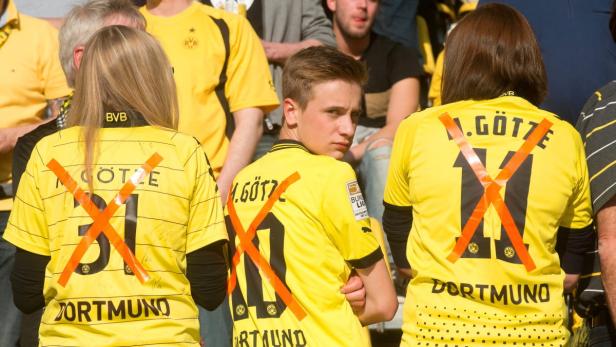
(327, 124)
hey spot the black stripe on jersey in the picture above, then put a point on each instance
(123, 269)
(39, 155)
(162, 220)
(118, 164)
(206, 200)
(191, 155)
(368, 260)
(34, 207)
(119, 296)
(138, 244)
(147, 344)
(205, 227)
(25, 231)
(136, 191)
(222, 79)
(138, 217)
(159, 246)
(123, 322)
(286, 143)
(158, 343)
(118, 140)
(57, 222)
(53, 196)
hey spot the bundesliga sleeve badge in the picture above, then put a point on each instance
(357, 200)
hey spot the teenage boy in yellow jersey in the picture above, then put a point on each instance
(299, 221)
(31, 82)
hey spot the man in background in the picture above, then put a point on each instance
(391, 94)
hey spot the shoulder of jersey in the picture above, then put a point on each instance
(184, 143)
(36, 25)
(602, 97)
(60, 137)
(419, 116)
(218, 13)
(557, 122)
(330, 168)
(608, 91)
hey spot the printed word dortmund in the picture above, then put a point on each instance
(510, 294)
(110, 310)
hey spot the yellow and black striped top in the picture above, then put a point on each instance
(175, 210)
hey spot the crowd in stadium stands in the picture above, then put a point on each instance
(301, 172)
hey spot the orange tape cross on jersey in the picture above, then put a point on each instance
(101, 219)
(246, 245)
(491, 187)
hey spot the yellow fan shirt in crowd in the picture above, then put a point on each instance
(219, 67)
(30, 74)
(175, 210)
(310, 239)
(493, 292)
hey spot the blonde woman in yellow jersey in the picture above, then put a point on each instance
(487, 198)
(117, 220)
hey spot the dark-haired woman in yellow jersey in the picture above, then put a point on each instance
(487, 198)
(117, 220)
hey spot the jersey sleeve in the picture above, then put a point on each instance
(346, 220)
(27, 225)
(206, 220)
(578, 214)
(249, 78)
(397, 184)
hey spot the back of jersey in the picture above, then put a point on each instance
(300, 225)
(490, 182)
(118, 256)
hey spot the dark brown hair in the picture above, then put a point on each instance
(315, 65)
(490, 52)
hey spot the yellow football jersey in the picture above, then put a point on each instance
(175, 210)
(314, 234)
(219, 67)
(491, 295)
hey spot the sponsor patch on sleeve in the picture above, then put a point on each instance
(357, 201)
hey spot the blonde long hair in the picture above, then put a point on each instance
(122, 69)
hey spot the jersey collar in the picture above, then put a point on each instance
(10, 16)
(123, 119)
(286, 144)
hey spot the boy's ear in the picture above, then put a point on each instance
(291, 111)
